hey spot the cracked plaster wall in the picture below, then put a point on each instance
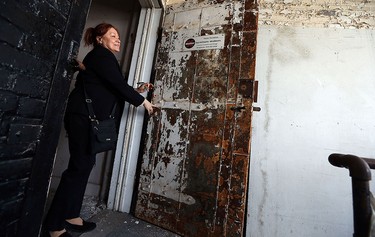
(318, 13)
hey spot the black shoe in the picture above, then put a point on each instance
(86, 227)
(65, 234)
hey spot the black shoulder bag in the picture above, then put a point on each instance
(103, 134)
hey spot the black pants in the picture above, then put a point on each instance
(68, 198)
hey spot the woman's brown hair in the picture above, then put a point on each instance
(99, 30)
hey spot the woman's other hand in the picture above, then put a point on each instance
(144, 86)
(149, 107)
(78, 65)
(81, 66)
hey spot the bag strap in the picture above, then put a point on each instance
(113, 111)
(90, 108)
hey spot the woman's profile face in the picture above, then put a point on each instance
(110, 40)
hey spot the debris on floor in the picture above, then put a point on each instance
(116, 224)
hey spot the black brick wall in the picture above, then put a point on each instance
(38, 38)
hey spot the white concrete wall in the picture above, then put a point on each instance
(317, 94)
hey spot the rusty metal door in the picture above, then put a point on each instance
(194, 171)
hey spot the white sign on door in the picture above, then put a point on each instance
(204, 42)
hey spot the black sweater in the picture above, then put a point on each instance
(104, 84)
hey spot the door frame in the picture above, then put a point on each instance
(126, 156)
(34, 203)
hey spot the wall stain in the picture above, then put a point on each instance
(327, 14)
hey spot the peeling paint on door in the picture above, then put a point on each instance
(194, 171)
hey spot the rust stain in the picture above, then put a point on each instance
(196, 156)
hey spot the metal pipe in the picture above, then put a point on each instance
(359, 169)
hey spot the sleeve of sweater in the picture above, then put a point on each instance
(105, 65)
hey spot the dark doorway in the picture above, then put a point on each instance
(124, 16)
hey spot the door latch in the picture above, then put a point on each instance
(257, 109)
(237, 108)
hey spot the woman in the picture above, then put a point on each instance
(105, 85)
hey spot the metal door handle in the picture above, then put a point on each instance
(257, 109)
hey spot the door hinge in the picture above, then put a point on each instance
(255, 92)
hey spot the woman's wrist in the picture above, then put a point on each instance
(143, 103)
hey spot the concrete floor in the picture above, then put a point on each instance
(116, 224)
